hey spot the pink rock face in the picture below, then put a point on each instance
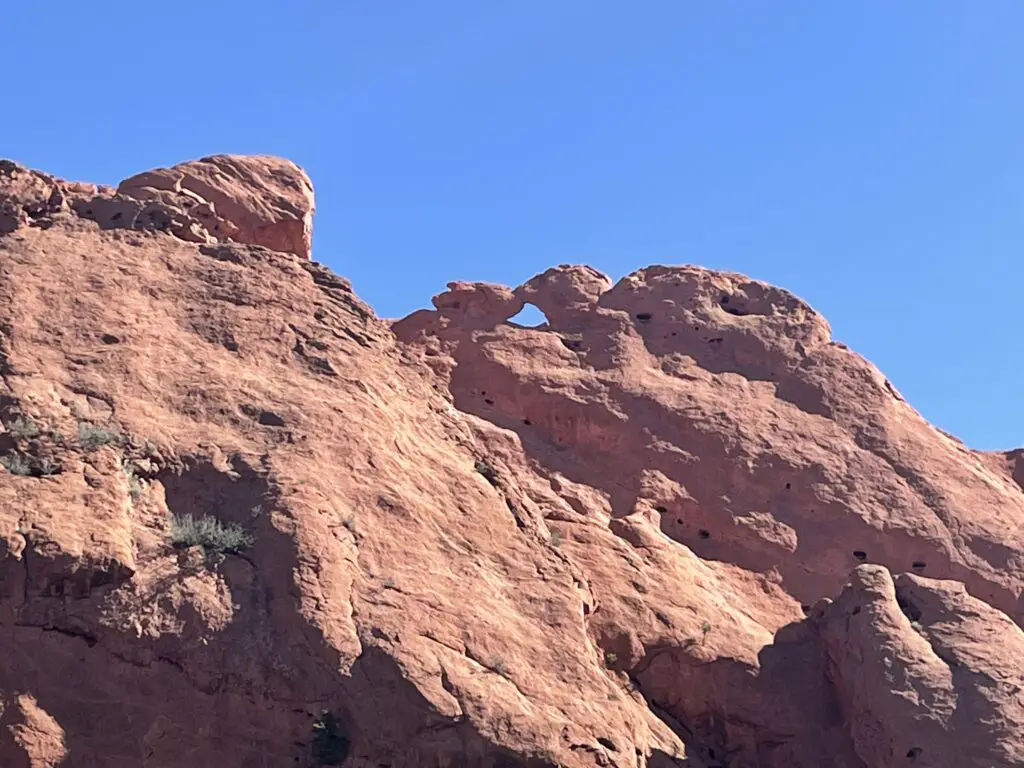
(714, 412)
(658, 530)
(259, 200)
(928, 675)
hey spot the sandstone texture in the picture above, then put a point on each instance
(263, 201)
(675, 525)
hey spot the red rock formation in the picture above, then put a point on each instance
(263, 201)
(258, 200)
(632, 536)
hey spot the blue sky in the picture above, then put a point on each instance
(868, 155)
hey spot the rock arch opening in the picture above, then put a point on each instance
(530, 316)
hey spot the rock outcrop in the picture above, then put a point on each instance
(676, 524)
(262, 201)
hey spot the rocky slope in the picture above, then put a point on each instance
(676, 524)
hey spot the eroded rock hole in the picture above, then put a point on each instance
(704, 534)
(918, 565)
(270, 419)
(331, 743)
(910, 610)
(529, 316)
(913, 753)
(574, 344)
(643, 317)
(860, 554)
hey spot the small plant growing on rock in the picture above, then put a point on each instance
(330, 745)
(135, 486)
(23, 428)
(485, 468)
(92, 438)
(18, 464)
(209, 533)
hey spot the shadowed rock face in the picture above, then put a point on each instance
(660, 529)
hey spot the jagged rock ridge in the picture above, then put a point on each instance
(675, 525)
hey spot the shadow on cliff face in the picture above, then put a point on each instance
(782, 713)
(265, 691)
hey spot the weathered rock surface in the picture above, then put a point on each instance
(262, 200)
(927, 674)
(632, 536)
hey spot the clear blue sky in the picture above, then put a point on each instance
(867, 155)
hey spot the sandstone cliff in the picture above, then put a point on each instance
(244, 522)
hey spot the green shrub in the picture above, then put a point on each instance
(135, 485)
(23, 429)
(17, 464)
(209, 533)
(92, 438)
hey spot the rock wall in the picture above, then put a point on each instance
(677, 524)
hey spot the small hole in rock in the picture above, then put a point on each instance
(704, 534)
(643, 317)
(788, 486)
(661, 510)
(806, 609)
(527, 422)
(109, 338)
(488, 401)
(116, 217)
(913, 753)
(860, 554)
(724, 300)
(918, 565)
(606, 743)
(270, 419)
(855, 611)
